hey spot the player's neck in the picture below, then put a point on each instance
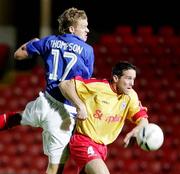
(115, 89)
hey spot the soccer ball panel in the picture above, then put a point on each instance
(150, 137)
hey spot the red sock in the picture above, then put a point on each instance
(9, 119)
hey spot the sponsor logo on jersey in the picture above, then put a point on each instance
(111, 118)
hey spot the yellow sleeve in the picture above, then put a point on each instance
(136, 110)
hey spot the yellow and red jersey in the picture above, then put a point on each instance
(107, 111)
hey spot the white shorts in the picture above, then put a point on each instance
(57, 124)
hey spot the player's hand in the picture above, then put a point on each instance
(130, 137)
(134, 131)
(81, 112)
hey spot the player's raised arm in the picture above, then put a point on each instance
(68, 89)
(21, 52)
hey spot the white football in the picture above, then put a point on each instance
(150, 137)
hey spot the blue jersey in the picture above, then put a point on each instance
(65, 56)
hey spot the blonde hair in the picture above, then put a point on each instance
(69, 18)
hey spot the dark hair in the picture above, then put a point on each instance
(122, 66)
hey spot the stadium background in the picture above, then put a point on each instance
(147, 34)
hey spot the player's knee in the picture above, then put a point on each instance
(52, 169)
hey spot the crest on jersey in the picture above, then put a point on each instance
(123, 105)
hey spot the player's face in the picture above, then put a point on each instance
(81, 29)
(126, 82)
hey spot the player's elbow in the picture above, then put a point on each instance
(17, 56)
(20, 56)
(63, 86)
(20, 53)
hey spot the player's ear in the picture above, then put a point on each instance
(115, 78)
(71, 29)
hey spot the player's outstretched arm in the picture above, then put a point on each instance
(67, 87)
(133, 132)
(21, 52)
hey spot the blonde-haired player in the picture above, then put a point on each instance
(65, 56)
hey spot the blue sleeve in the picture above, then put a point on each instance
(37, 47)
(91, 62)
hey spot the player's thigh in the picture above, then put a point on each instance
(96, 166)
(35, 112)
(55, 140)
